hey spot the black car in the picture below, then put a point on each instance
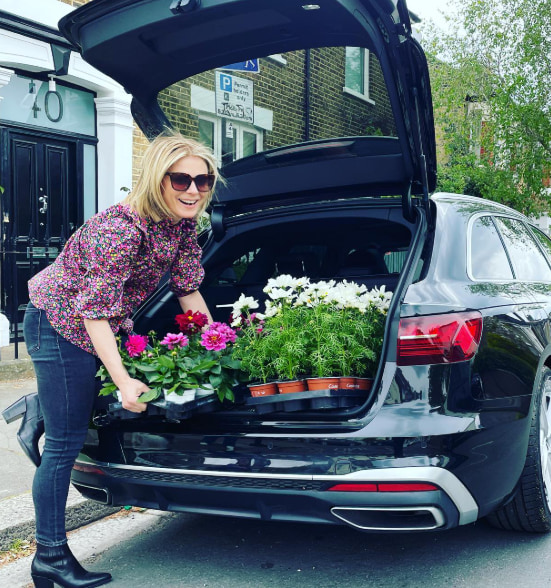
(323, 125)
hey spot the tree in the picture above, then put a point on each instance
(490, 81)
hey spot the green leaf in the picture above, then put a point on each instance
(145, 367)
(150, 395)
(166, 362)
(108, 389)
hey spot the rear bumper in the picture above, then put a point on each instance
(304, 498)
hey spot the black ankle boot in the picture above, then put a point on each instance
(32, 426)
(59, 565)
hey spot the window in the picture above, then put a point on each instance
(544, 240)
(249, 143)
(228, 139)
(488, 260)
(356, 81)
(394, 260)
(207, 132)
(239, 140)
(529, 262)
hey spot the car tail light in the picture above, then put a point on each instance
(386, 487)
(89, 469)
(443, 338)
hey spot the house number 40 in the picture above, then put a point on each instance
(50, 98)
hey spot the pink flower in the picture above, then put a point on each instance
(173, 340)
(213, 340)
(136, 344)
(225, 331)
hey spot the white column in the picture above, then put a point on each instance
(115, 129)
(5, 77)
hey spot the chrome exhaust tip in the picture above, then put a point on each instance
(101, 495)
(391, 518)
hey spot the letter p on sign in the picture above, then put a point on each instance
(225, 83)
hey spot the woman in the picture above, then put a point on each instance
(77, 305)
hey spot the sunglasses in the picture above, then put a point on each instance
(181, 182)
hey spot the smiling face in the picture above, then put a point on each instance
(184, 204)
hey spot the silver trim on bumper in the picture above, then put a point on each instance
(450, 484)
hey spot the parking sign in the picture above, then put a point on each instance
(234, 97)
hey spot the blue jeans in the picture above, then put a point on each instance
(66, 389)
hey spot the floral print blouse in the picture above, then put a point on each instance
(110, 265)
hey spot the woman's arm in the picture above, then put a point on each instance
(105, 344)
(195, 302)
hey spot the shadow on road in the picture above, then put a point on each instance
(197, 551)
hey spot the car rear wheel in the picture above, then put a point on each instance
(530, 508)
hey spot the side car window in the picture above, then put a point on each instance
(544, 241)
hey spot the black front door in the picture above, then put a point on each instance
(41, 207)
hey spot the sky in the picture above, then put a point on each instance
(430, 9)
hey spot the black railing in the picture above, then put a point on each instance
(19, 261)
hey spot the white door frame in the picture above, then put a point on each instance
(114, 120)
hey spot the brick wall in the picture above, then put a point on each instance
(281, 88)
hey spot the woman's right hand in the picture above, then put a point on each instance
(130, 391)
(106, 347)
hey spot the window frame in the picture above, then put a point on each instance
(469, 264)
(239, 129)
(365, 94)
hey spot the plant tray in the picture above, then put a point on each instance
(325, 399)
(168, 410)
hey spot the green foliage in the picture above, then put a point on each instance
(344, 342)
(178, 368)
(490, 92)
(323, 329)
(278, 351)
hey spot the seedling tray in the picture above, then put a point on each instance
(168, 410)
(325, 399)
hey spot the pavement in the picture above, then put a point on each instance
(15, 363)
(17, 471)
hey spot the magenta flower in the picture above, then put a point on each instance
(225, 331)
(136, 344)
(173, 340)
(213, 340)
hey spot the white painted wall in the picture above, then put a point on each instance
(114, 121)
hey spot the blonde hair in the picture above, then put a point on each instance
(163, 152)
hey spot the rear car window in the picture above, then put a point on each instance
(488, 260)
(528, 261)
(544, 241)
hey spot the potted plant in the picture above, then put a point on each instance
(317, 329)
(250, 348)
(271, 345)
(346, 325)
(198, 358)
